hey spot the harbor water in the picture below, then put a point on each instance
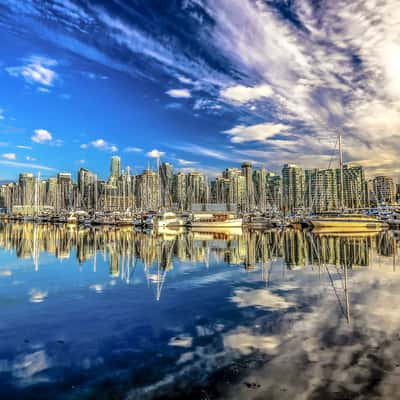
(112, 313)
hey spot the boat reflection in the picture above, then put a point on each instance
(157, 251)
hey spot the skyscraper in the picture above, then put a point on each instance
(65, 190)
(274, 191)
(292, 187)
(321, 189)
(260, 178)
(87, 186)
(179, 190)
(115, 169)
(249, 200)
(354, 190)
(166, 171)
(26, 185)
(384, 189)
(196, 188)
(236, 188)
(148, 190)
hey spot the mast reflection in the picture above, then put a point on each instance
(123, 248)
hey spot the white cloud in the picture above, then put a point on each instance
(29, 158)
(203, 151)
(259, 132)
(36, 70)
(9, 156)
(26, 165)
(208, 105)
(24, 147)
(100, 144)
(133, 150)
(186, 162)
(179, 93)
(155, 153)
(243, 94)
(42, 136)
(185, 80)
(340, 71)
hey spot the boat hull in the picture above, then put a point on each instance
(231, 223)
(347, 225)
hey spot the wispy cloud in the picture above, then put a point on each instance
(155, 153)
(334, 67)
(183, 162)
(259, 132)
(133, 150)
(9, 156)
(244, 94)
(36, 70)
(26, 165)
(100, 144)
(20, 146)
(203, 151)
(179, 93)
(1, 114)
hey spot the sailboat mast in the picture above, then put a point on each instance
(341, 172)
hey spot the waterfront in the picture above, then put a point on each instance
(113, 313)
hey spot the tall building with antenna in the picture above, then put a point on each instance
(115, 169)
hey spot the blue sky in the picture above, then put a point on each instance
(204, 84)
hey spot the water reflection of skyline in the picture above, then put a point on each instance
(299, 309)
(122, 248)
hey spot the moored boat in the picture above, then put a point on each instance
(347, 223)
(215, 220)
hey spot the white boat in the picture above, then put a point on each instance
(169, 219)
(215, 220)
(346, 223)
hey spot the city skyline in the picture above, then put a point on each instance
(245, 189)
(183, 81)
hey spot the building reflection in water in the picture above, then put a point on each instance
(122, 248)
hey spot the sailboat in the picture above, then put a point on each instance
(340, 221)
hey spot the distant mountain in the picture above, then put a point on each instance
(5, 181)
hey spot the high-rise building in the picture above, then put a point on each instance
(148, 191)
(115, 169)
(220, 190)
(26, 184)
(260, 178)
(196, 188)
(292, 187)
(166, 171)
(274, 192)
(87, 186)
(321, 189)
(354, 187)
(249, 198)
(65, 190)
(52, 195)
(236, 190)
(179, 190)
(384, 189)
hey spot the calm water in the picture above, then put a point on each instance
(117, 314)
